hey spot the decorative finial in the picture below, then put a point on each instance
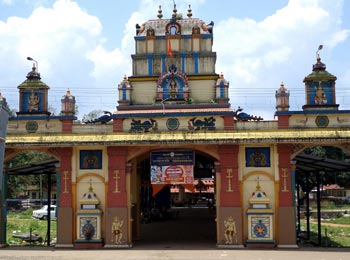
(258, 184)
(90, 188)
(174, 11)
(319, 66)
(189, 11)
(160, 15)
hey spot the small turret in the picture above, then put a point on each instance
(221, 89)
(33, 95)
(68, 104)
(125, 92)
(320, 87)
(282, 98)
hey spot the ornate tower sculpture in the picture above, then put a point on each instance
(125, 91)
(221, 90)
(282, 98)
(173, 78)
(33, 95)
(68, 104)
(320, 87)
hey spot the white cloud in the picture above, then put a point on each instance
(257, 56)
(254, 56)
(65, 40)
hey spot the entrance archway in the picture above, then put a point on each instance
(176, 215)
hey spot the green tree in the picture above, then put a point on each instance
(308, 180)
(92, 115)
(18, 183)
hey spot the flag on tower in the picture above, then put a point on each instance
(170, 51)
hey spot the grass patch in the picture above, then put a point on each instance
(343, 221)
(330, 236)
(21, 222)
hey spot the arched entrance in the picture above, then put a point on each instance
(177, 214)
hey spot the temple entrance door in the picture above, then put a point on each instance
(177, 215)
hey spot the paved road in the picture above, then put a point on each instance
(163, 254)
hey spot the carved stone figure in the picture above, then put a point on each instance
(230, 230)
(117, 232)
(197, 124)
(320, 96)
(138, 126)
(33, 102)
(104, 119)
(241, 116)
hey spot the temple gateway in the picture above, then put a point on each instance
(174, 128)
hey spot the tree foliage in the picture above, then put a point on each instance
(92, 115)
(17, 184)
(308, 180)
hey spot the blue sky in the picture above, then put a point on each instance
(85, 45)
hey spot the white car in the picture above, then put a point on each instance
(42, 213)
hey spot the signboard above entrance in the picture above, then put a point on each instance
(172, 167)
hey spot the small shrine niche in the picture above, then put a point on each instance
(320, 88)
(260, 219)
(150, 40)
(33, 94)
(89, 220)
(221, 89)
(282, 98)
(172, 86)
(68, 104)
(125, 92)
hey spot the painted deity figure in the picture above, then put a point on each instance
(159, 174)
(90, 161)
(33, 102)
(230, 230)
(258, 158)
(320, 96)
(173, 89)
(117, 233)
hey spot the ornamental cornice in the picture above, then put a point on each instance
(205, 137)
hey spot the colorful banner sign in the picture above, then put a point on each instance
(174, 167)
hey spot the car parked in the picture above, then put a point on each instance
(346, 200)
(42, 213)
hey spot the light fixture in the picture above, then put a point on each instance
(36, 63)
